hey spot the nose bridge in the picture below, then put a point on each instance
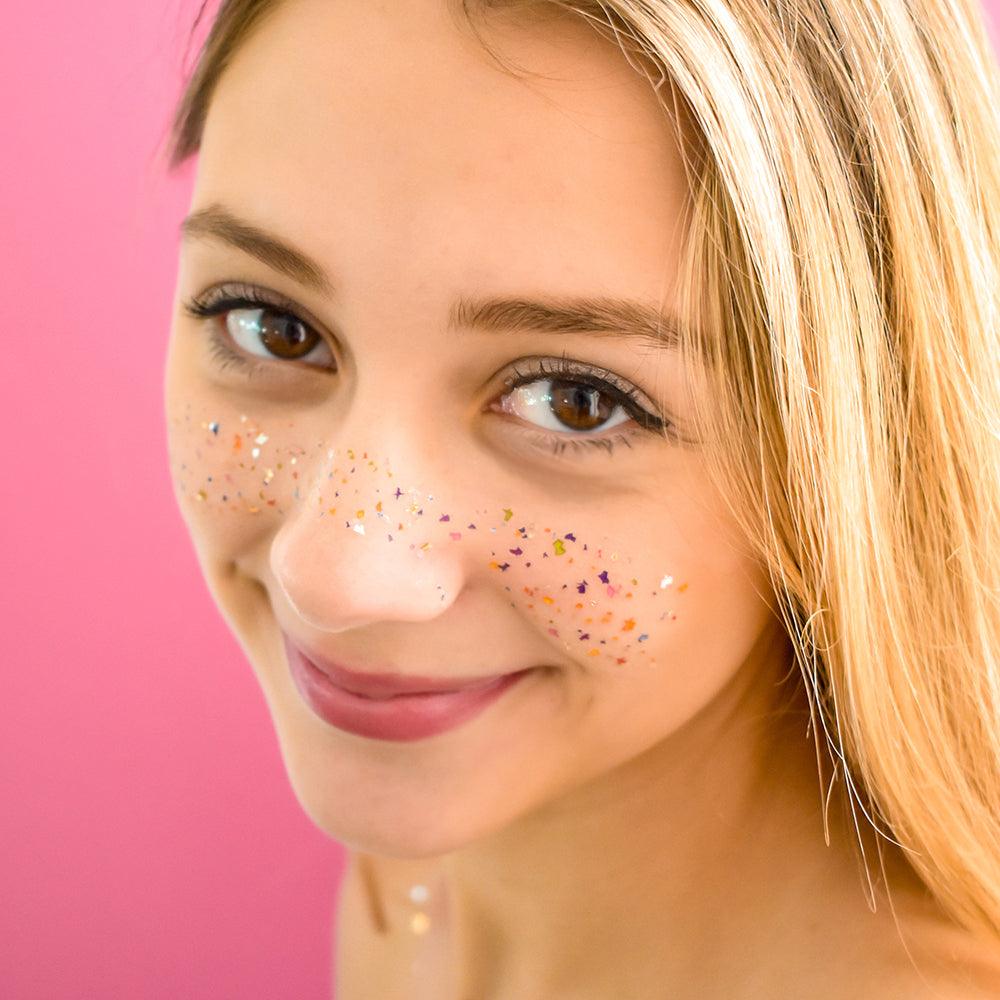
(362, 543)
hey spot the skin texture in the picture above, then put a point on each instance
(638, 818)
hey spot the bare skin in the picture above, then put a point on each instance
(642, 816)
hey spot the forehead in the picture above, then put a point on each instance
(383, 136)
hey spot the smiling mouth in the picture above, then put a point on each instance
(386, 686)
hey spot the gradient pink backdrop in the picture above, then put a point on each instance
(150, 843)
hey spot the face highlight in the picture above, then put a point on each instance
(428, 499)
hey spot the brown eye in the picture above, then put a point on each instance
(563, 404)
(282, 335)
(580, 407)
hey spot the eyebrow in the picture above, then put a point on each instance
(602, 316)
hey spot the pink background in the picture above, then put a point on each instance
(150, 843)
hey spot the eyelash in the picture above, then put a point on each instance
(239, 296)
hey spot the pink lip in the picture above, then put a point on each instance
(384, 685)
(389, 714)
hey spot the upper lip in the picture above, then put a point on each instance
(384, 684)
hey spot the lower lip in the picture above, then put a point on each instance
(402, 717)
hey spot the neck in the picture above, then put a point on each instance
(662, 866)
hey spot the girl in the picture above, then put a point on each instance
(587, 418)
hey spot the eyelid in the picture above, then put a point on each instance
(231, 295)
(226, 290)
(629, 396)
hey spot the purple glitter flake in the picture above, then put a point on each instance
(445, 517)
(398, 493)
(570, 536)
(515, 552)
(504, 566)
(582, 586)
(586, 635)
(472, 527)
(603, 576)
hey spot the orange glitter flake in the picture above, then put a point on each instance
(593, 652)
(548, 600)
(682, 588)
(332, 510)
(378, 506)
(202, 495)
(360, 513)
(629, 625)
(237, 442)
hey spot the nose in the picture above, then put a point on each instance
(362, 546)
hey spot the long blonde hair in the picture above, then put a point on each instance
(841, 291)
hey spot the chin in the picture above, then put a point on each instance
(401, 836)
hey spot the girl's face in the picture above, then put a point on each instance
(434, 449)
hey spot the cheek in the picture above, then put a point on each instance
(607, 597)
(589, 591)
(231, 476)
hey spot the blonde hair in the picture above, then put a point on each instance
(841, 292)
